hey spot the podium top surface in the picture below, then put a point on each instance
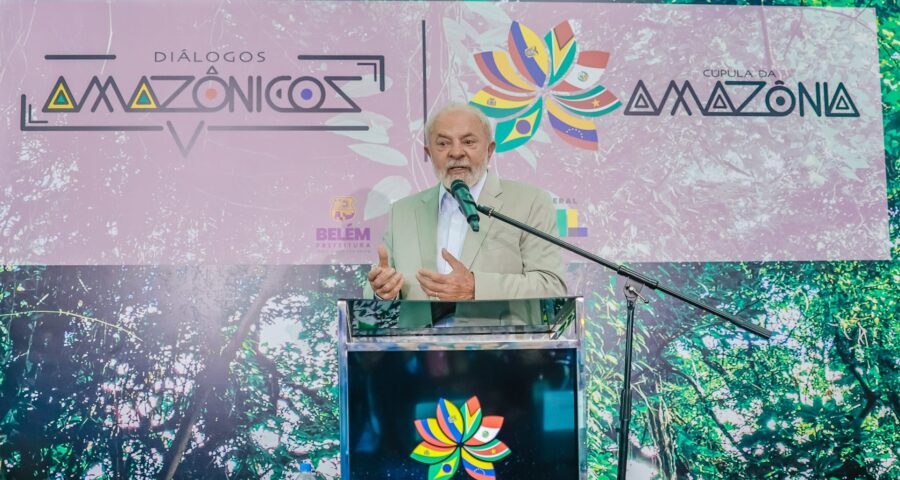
(393, 321)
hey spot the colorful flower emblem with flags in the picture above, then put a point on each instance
(536, 75)
(460, 436)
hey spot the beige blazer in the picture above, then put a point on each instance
(507, 263)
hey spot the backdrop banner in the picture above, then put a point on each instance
(188, 188)
(192, 133)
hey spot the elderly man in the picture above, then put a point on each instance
(429, 251)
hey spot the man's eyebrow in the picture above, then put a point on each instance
(446, 135)
(465, 136)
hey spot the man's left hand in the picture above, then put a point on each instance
(459, 284)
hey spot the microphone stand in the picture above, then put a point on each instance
(634, 285)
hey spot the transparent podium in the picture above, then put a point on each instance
(481, 389)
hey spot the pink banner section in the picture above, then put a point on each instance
(201, 132)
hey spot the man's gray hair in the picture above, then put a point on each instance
(457, 106)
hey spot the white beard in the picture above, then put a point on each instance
(471, 178)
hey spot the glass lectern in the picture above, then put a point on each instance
(480, 389)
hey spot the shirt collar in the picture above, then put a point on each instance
(474, 190)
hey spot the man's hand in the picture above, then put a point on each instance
(385, 281)
(456, 285)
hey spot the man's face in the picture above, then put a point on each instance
(459, 147)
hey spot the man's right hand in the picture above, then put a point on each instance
(386, 282)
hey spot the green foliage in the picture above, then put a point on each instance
(236, 364)
(819, 399)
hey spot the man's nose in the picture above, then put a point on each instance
(456, 150)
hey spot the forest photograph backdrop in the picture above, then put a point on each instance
(230, 371)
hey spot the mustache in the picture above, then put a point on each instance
(457, 165)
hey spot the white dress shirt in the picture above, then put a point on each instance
(452, 226)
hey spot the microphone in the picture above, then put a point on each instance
(460, 192)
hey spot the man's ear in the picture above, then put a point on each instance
(491, 148)
(427, 152)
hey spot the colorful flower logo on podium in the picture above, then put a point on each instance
(460, 436)
(538, 75)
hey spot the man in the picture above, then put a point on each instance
(429, 251)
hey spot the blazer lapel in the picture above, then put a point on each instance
(491, 196)
(426, 223)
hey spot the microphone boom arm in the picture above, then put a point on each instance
(629, 273)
